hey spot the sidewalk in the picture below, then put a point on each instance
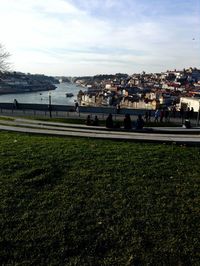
(163, 135)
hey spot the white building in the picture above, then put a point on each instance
(190, 102)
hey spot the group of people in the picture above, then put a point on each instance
(127, 123)
(90, 122)
(161, 114)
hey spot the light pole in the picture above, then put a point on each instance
(50, 107)
(198, 114)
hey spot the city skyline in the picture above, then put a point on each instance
(88, 37)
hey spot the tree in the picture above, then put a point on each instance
(4, 55)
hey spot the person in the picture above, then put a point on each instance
(139, 122)
(161, 115)
(187, 116)
(109, 121)
(96, 121)
(76, 106)
(15, 104)
(156, 115)
(149, 115)
(191, 112)
(118, 108)
(181, 113)
(166, 115)
(146, 116)
(174, 111)
(127, 122)
(88, 121)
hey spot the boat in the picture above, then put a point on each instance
(69, 94)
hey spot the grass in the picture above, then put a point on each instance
(71, 201)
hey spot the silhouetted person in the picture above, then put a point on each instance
(161, 115)
(15, 104)
(109, 121)
(149, 115)
(88, 121)
(187, 116)
(192, 113)
(96, 121)
(146, 116)
(182, 113)
(174, 111)
(166, 115)
(139, 122)
(127, 122)
(156, 116)
(76, 106)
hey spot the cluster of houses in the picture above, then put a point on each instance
(17, 82)
(142, 91)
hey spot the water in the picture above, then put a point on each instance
(42, 97)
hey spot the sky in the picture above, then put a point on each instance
(89, 37)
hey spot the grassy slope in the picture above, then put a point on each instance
(71, 201)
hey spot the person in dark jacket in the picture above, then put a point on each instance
(109, 121)
(140, 122)
(127, 122)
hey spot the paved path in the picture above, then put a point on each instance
(164, 135)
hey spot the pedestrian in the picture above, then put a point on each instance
(76, 106)
(149, 115)
(174, 111)
(181, 113)
(161, 115)
(156, 116)
(146, 116)
(191, 112)
(166, 115)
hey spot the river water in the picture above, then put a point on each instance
(42, 97)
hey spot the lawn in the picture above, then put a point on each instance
(72, 201)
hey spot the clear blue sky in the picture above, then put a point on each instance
(76, 37)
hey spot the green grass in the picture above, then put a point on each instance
(71, 201)
(7, 118)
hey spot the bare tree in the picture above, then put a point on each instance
(4, 55)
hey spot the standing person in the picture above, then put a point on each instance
(76, 106)
(109, 121)
(191, 112)
(156, 116)
(15, 104)
(166, 115)
(146, 116)
(161, 115)
(174, 111)
(149, 115)
(181, 113)
(188, 113)
(127, 122)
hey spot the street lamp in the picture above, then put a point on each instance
(198, 114)
(50, 107)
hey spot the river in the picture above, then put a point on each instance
(42, 97)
